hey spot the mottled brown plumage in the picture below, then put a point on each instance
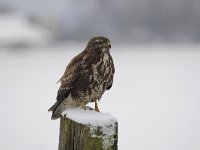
(86, 77)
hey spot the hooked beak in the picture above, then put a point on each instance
(108, 45)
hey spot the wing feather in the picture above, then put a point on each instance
(70, 77)
(68, 81)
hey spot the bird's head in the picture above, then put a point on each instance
(99, 44)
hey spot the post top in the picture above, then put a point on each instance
(89, 117)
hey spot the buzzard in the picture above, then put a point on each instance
(86, 77)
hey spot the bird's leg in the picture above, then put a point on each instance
(83, 105)
(96, 106)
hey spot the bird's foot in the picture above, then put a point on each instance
(83, 105)
(96, 106)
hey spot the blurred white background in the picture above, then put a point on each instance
(155, 47)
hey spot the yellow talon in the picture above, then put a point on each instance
(83, 105)
(96, 106)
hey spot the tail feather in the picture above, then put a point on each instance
(52, 108)
(56, 111)
(56, 115)
(61, 106)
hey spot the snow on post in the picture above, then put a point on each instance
(87, 130)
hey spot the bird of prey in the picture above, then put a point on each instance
(86, 78)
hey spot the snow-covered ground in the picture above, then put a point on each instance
(155, 96)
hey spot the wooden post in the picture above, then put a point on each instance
(87, 130)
